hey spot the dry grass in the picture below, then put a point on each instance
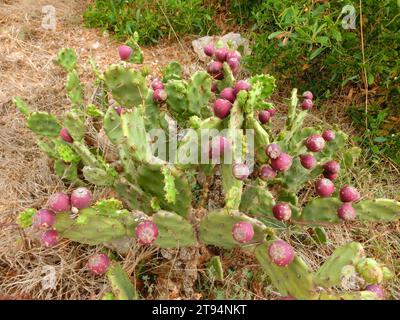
(26, 179)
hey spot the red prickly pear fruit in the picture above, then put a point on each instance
(240, 171)
(308, 161)
(60, 202)
(64, 134)
(215, 67)
(378, 290)
(281, 253)
(44, 219)
(328, 135)
(146, 232)
(221, 54)
(157, 84)
(219, 145)
(119, 110)
(81, 198)
(331, 176)
(209, 49)
(332, 167)
(273, 151)
(234, 54)
(214, 87)
(234, 64)
(346, 212)
(243, 232)
(98, 264)
(222, 108)
(49, 238)
(124, 52)
(272, 112)
(308, 95)
(324, 187)
(241, 85)
(282, 211)
(267, 173)
(315, 143)
(228, 94)
(264, 116)
(349, 194)
(282, 163)
(307, 104)
(159, 95)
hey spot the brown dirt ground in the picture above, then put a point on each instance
(26, 180)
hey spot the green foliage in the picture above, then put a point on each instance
(24, 219)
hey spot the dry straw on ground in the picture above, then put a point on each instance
(26, 179)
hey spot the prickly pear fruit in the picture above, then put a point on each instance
(324, 187)
(282, 163)
(346, 212)
(98, 264)
(281, 253)
(219, 145)
(214, 68)
(44, 219)
(221, 54)
(307, 104)
(222, 108)
(209, 49)
(81, 198)
(157, 84)
(64, 134)
(264, 116)
(315, 143)
(228, 94)
(332, 167)
(49, 238)
(331, 176)
(272, 111)
(146, 232)
(308, 95)
(370, 271)
(118, 110)
(60, 202)
(214, 87)
(273, 151)
(243, 232)
(124, 52)
(240, 171)
(282, 211)
(159, 95)
(234, 64)
(378, 290)
(308, 161)
(267, 173)
(234, 54)
(328, 135)
(241, 85)
(349, 194)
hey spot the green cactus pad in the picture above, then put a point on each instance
(378, 210)
(257, 200)
(172, 71)
(214, 267)
(48, 148)
(121, 285)
(295, 178)
(370, 270)
(74, 88)
(24, 219)
(66, 153)
(99, 177)
(134, 196)
(67, 59)
(198, 92)
(321, 210)
(68, 172)
(21, 106)
(44, 124)
(112, 125)
(74, 121)
(360, 295)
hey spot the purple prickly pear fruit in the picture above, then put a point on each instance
(282, 163)
(124, 52)
(44, 219)
(328, 135)
(282, 211)
(214, 87)
(98, 264)
(81, 198)
(315, 143)
(243, 232)
(209, 49)
(234, 54)
(346, 212)
(349, 194)
(221, 54)
(378, 290)
(281, 253)
(118, 110)
(308, 161)
(272, 112)
(228, 94)
(60, 202)
(159, 95)
(332, 167)
(222, 108)
(234, 64)
(267, 173)
(49, 238)
(219, 145)
(146, 232)
(215, 67)
(331, 176)
(241, 85)
(307, 104)
(64, 134)
(273, 151)
(324, 187)
(157, 84)
(308, 95)
(240, 171)
(264, 116)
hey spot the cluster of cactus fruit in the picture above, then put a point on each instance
(260, 194)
